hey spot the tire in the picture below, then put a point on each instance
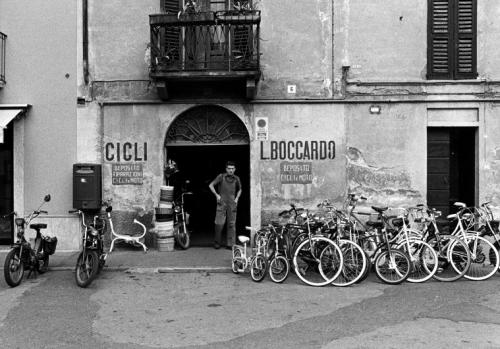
(86, 268)
(354, 264)
(279, 268)
(182, 237)
(13, 269)
(236, 263)
(43, 264)
(309, 266)
(392, 274)
(484, 259)
(423, 258)
(450, 248)
(369, 267)
(258, 268)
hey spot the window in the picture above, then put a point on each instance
(451, 39)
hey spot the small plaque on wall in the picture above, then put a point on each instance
(127, 174)
(296, 172)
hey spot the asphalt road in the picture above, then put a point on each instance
(223, 310)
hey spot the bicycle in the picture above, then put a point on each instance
(485, 257)
(312, 264)
(257, 262)
(279, 265)
(448, 247)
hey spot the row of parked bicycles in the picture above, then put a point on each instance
(339, 246)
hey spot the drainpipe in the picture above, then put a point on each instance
(85, 40)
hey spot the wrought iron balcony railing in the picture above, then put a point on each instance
(224, 41)
(3, 39)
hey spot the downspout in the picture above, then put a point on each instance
(85, 40)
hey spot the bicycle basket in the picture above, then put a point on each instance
(49, 244)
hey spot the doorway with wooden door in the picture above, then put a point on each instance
(451, 167)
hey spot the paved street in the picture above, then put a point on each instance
(223, 310)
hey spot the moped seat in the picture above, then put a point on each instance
(38, 226)
(380, 209)
(243, 239)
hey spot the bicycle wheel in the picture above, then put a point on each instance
(448, 248)
(423, 258)
(258, 268)
(354, 265)
(392, 267)
(279, 269)
(484, 259)
(310, 268)
(237, 264)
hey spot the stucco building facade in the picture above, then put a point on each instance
(343, 101)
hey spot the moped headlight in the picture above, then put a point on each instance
(93, 231)
(177, 209)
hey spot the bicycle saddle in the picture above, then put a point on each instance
(398, 222)
(38, 226)
(243, 239)
(380, 209)
(375, 224)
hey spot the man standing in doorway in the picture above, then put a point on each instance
(227, 194)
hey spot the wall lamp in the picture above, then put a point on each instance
(375, 109)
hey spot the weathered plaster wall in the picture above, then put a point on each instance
(386, 40)
(41, 71)
(489, 163)
(149, 123)
(296, 45)
(381, 39)
(386, 153)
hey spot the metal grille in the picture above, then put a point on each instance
(206, 125)
(3, 39)
(207, 41)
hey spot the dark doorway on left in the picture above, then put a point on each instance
(6, 184)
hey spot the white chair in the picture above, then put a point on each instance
(131, 239)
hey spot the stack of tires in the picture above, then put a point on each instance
(164, 217)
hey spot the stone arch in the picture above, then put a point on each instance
(207, 125)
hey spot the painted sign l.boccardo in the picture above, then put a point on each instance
(297, 150)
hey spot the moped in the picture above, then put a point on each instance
(22, 255)
(92, 258)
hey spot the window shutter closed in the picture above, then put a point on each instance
(440, 40)
(451, 52)
(466, 40)
(172, 35)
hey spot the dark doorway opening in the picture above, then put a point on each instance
(200, 164)
(451, 167)
(6, 184)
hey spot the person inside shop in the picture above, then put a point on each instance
(227, 190)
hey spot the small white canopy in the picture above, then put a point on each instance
(7, 114)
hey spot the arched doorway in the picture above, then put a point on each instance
(201, 140)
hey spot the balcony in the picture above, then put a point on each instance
(3, 39)
(220, 47)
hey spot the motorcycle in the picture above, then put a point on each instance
(22, 255)
(92, 258)
(181, 220)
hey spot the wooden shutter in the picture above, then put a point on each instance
(465, 40)
(440, 36)
(171, 34)
(451, 52)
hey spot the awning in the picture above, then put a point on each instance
(6, 116)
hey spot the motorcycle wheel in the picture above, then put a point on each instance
(13, 269)
(42, 268)
(86, 268)
(182, 237)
